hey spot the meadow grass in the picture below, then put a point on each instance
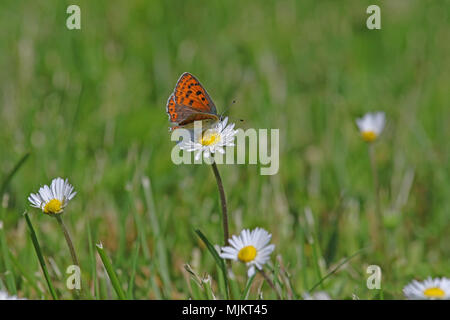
(89, 105)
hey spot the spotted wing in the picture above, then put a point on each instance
(182, 115)
(190, 102)
(190, 92)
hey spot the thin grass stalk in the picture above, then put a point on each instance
(271, 284)
(133, 271)
(111, 273)
(96, 292)
(377, 229)
(219, 261)
(37, 248)
(208, 289)
(9, 275)
(163, 264)
(28, 279)
(244, 295)
(11, 174)
(336, 269)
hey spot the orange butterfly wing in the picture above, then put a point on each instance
(190, 92)
(190, 102)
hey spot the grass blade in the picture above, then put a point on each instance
(9, 275)
(336, 269)
(162, 259)
(221, 280)
(11, 174)
(25, 274)
(133, 272)
(37, 248)
(93, 262)
(217, 258)
(244, 295)
(111, 273)
(208, 289)
(197, 285)
(235, 290)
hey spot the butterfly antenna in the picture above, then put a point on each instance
(226, 109)
(221, 115)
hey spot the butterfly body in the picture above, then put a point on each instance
(190, 102)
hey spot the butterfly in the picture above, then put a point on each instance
(190, 102)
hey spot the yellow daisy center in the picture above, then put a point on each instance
(434, 293)
(53, 206)
(209, 137)
(247, 254)
(368, 136)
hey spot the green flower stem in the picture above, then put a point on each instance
(68, 240)
(223, 202)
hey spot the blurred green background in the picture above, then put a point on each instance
(89, 105)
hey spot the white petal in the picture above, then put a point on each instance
(251, 271)
(229, 256)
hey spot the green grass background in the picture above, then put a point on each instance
(89, 105)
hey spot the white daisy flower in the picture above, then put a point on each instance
(211, 140)
(428, 289)
(5, 296)
(53, 199)
(251, 248)
(371, 125)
